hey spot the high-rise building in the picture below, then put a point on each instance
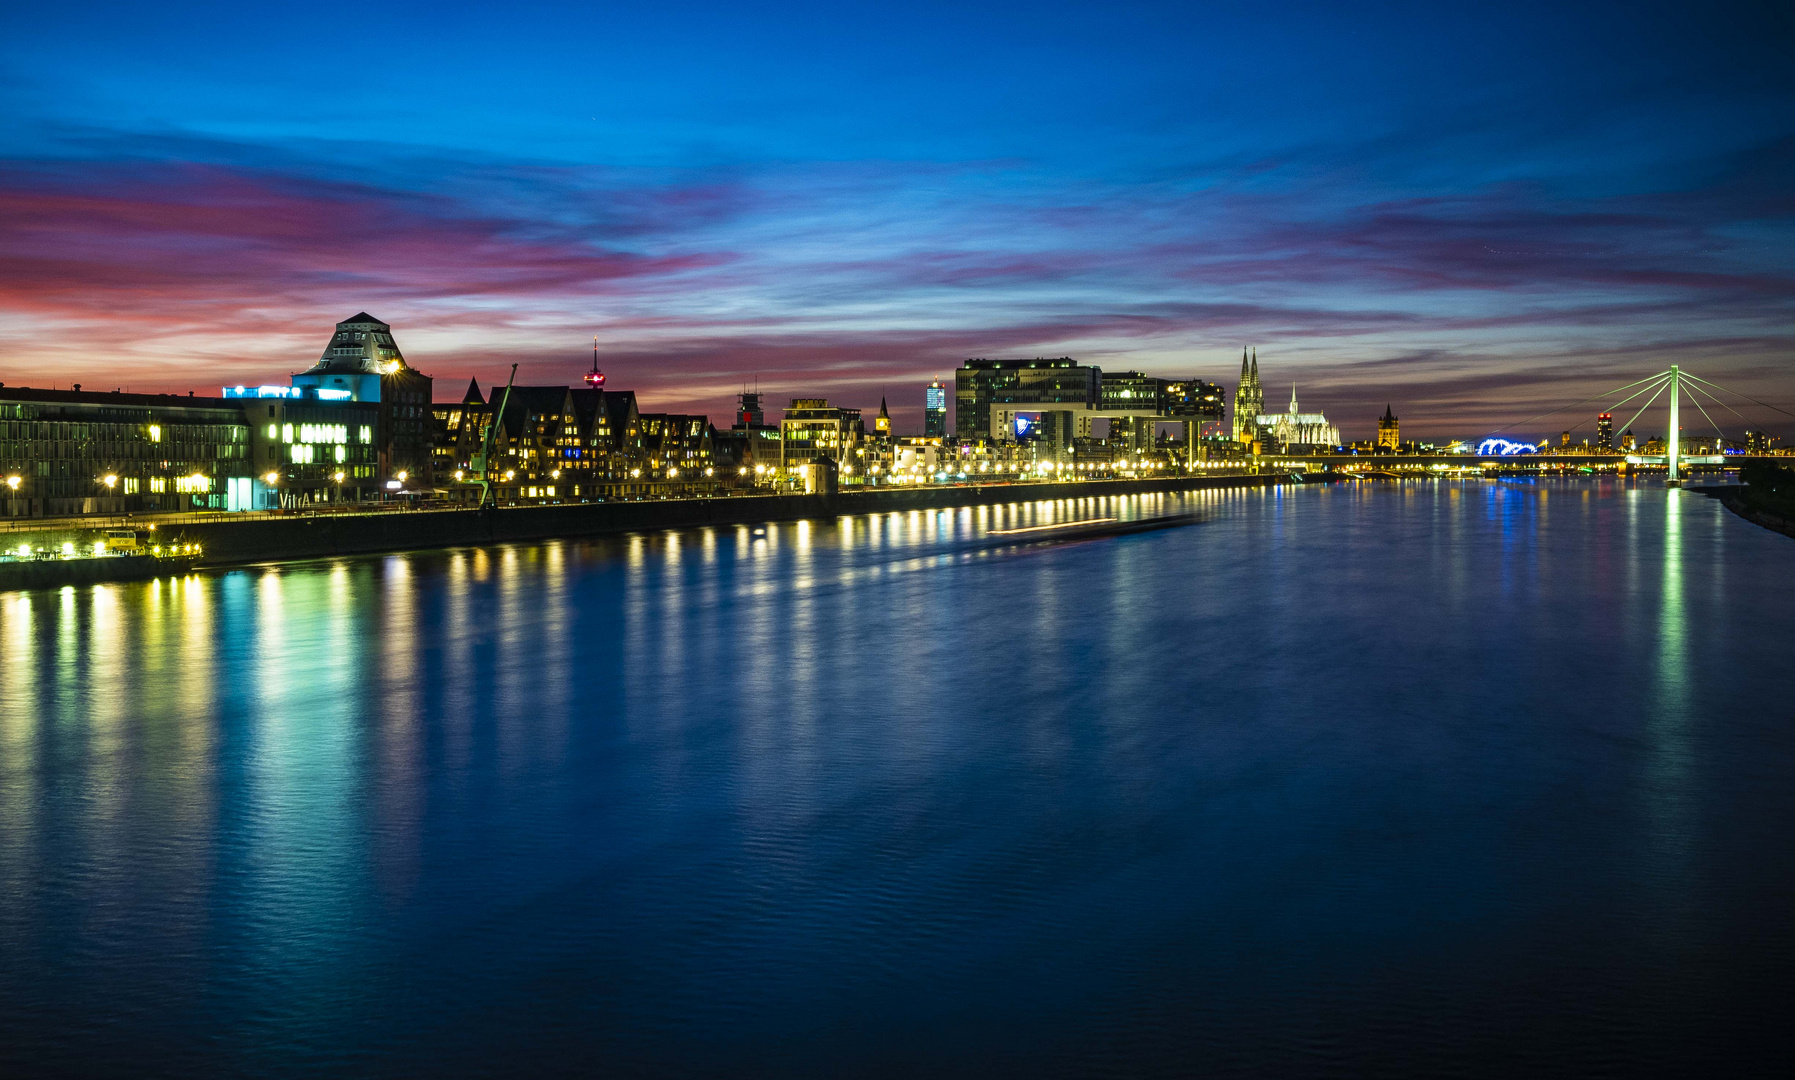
(1389, 434)
(935, 411)
(1036, 385)
(1249, 399)
(1605, 431)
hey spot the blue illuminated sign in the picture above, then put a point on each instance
(1504, 448)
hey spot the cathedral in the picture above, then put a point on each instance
(1293, 428)
(1274, 431)
(1249, 400)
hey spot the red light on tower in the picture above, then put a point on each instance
(595, 378)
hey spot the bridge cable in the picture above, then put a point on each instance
(1704, 412)
(1716, 400)
(1635, 394)
(1658, 386)
(1646, 406)
(1505, 427)
(1736, 393)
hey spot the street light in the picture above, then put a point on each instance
(109, 480)
(12, 482)
(273, 478)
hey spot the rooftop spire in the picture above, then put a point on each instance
(1292, 397)
(595, 378)
(1255, 363)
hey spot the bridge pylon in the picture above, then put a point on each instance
(1670, 441)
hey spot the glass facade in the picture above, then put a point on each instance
(68, 452)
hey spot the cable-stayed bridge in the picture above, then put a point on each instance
(1673, 385)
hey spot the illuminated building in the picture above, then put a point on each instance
(919, 459)
(882, 422)
(68, 452)
(558, 444)
(1128, 390)
(1249, 399)
(1389, 435)
(1605, 431)
(1193, 399)
(934, 410)
(1025, 386)
(814, 430)
(1293, 429)
(363, 360)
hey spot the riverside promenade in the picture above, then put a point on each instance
(256, 538)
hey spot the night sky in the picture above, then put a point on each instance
(1472, 212)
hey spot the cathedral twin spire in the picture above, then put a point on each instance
(1249, 397)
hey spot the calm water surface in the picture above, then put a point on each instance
(1480, 777)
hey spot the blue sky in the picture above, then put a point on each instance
(1472, 211)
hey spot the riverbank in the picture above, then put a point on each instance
(255, 539)
(1733, 499)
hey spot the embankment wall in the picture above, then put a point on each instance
(260, 538)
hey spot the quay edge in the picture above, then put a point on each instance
(263, 539)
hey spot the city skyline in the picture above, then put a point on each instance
(1464, 212)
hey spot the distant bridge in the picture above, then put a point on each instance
(1680, 385)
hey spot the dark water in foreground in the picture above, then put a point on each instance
(1487, 777)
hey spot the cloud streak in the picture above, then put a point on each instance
(850, 279)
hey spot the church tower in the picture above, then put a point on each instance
(1387, 435)
(1249, 399)
(882, 425)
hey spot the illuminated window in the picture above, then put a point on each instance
(157, 483)
(155, 433)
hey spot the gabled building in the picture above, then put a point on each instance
(677, 446)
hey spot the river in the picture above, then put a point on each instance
(1415, 778)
